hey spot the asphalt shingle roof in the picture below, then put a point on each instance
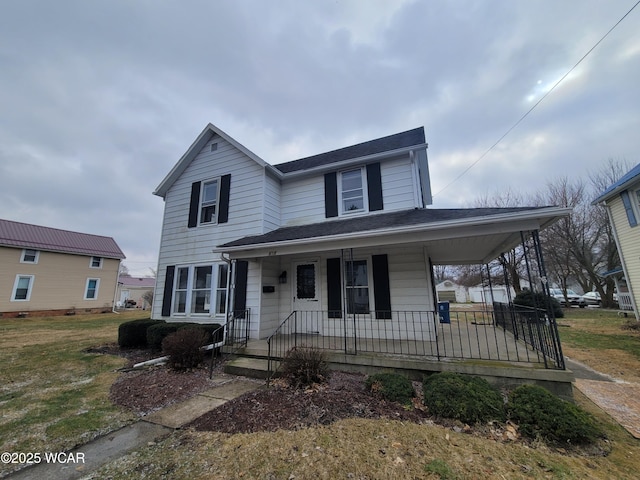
(381, 221)
(36, 237)
(379, 145)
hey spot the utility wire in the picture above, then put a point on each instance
(537, 103)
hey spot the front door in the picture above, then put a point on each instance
(306, 296)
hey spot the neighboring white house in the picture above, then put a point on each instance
(340, 233)
(449, 291)
(132, 291)
(622, 201)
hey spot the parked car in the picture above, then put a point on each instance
(592, 298)
(573, 297)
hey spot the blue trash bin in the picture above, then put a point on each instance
(443, 312)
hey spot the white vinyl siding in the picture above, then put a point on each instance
(303, 201)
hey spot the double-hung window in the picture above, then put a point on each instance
(29, 256)
(96, 262)
(195, 286)
(91, 290)
(22, 288)
(352, 191)
(357, 286)
(209, 202)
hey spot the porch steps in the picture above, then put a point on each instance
(252, 367)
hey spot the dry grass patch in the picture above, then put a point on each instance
(53, 394)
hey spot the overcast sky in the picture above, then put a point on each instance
(99, 99)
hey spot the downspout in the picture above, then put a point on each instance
(115, 292)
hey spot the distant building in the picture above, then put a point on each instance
(132, 290)
(50, 271)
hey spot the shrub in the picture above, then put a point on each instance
(463, 397)
(539, 413)
(539, 300)
(304, 366)
(157, 333)
(392, 387)
(133, 334)
(183, 348)
(210, 328)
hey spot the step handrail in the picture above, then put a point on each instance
(272, 340)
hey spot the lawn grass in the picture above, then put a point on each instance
(53, 394)
(596, 337)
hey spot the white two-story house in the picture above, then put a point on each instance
(347, 237)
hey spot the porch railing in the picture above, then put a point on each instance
(500, 335)
(234, 335)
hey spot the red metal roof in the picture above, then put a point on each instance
(24, 235)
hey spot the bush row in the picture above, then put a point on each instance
(147, 333)
(470, 399)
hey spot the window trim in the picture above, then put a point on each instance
(368, 263)
(365, 192)
(29, 288)
(190, 289)
(214, 219)
(24, 254)
(96, 289)
(100, 262)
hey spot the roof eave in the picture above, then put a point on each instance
(544, 218)
(195, 149)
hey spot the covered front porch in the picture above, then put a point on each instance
(365, 294)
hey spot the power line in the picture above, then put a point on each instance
(538, 102)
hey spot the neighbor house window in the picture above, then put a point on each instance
(29, 256)
(352, 191)
(209, 202)
(96, 262)
(91, 291)
(22, 288)
(195, 287)
(357, 286)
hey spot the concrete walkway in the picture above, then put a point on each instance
(619, 399)
(154, 427)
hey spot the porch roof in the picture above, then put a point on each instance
(452, 236)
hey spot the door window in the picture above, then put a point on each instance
(306, 281)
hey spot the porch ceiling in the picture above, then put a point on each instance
(451, 236)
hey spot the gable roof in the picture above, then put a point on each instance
(389, 143)
(209, 131)
(25, 235)
(627, 179)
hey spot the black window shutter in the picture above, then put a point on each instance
(631, 216)
(240, 292)
(331, 195)
(381, 290)
(194, 206)
(223, 211)
(374, 186)
(334, 288)
(168, 291)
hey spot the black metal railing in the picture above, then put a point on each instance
(504, 334)
(233, 335)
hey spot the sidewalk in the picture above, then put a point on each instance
(621, 400)
(149, 430)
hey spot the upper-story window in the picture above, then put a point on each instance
(352, 191)
(96, 262)
(29, 256)
(209, 202)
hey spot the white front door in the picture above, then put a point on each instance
(306, 296)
